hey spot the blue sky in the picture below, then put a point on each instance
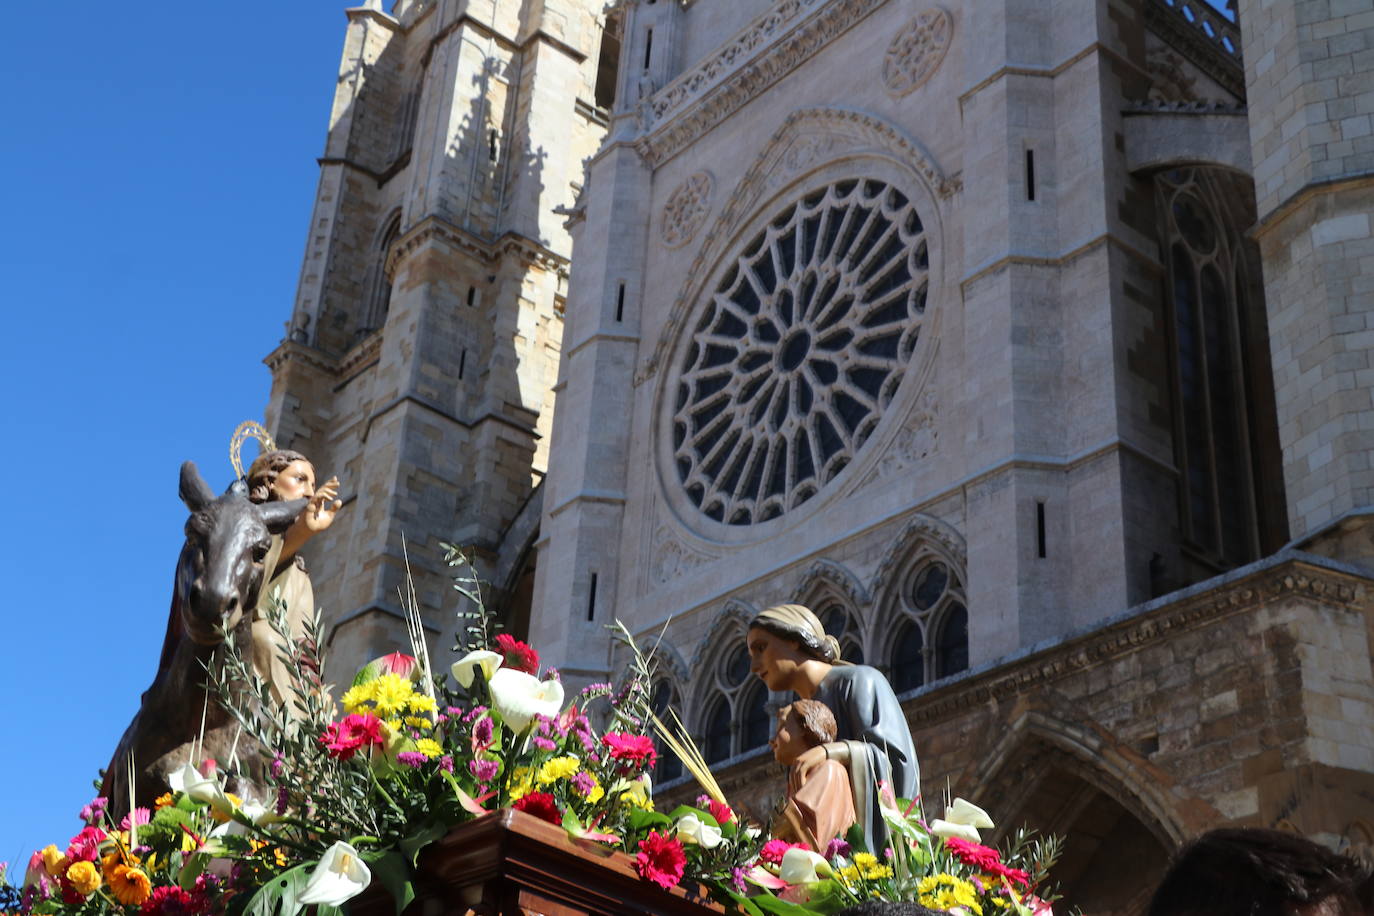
(159, 169)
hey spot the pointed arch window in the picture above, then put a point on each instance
(738, 717)
(379, 285)
(662, 697)
(841, 623)
(930, 623)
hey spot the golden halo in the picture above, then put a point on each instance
(248, 429)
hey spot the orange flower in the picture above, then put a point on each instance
(163, 800)
(130, 885)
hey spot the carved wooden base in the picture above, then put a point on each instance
(510, 863)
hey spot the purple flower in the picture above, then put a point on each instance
(552, 674)
(472, 713)
(544, 744)
(411, 758)
(278, 765)
(281, 800)
(583, 783)
(600, 688)
(837, 847)
(441, 718)
(703, 801)
(887, 853)
(446, 763)
(737, 878)
(95, 810)
(481, 732)
(484, 770)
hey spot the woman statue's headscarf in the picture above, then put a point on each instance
(797, 623)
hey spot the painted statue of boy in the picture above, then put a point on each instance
(280, 476)
(820, 801)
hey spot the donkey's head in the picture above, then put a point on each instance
(227, 540)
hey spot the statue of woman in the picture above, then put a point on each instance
(790, 650)
(283, 475)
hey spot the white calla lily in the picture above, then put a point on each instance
(465, 669)
(802, 866)
(519, 697)
(197, 787)
(340, 876)
(692, 829)
(962, 820)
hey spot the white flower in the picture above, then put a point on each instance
(466, 667)
(519, 697)
(692, 829)
(199, 788)
(962, 820)
(341, 875)
(802, 866)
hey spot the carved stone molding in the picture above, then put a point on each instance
(931, 530)
(825, 573)
(807, 138)
(700, 99)
(686, 209)
(917, 441)
(1169, 78)
(1292, 579)
(672, 558)
(916, 52)
(1206, 51)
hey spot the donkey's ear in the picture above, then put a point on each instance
(194, 491)
(279, 516)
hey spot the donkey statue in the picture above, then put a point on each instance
(218, 578)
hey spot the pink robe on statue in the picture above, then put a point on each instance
(823, 804)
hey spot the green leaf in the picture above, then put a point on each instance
(705, 817)
(770, 904)
(278, 896)
(641, 819)
(411, 845)
(746, 905)
(392, 871)
(191, 869)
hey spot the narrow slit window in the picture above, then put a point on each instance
(462, 361)
(620, 303)
(472, 295)
(1040, 529)
(648, 47)
(1030, 174)
(491, 144)
(591, 599)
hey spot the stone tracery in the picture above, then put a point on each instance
(686, 209)
(799, 351)
(916, 52)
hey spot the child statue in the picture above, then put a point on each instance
(283, 475)
(820, 803)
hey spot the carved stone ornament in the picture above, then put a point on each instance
(686, 209)
(916, 51)
(918, 440)
(672, 559)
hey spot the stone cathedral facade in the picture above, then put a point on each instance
(1028, 342)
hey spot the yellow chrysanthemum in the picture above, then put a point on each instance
(597, 793)
(865, 859)
(521, 783)
(84, 877)
(354, 697)
(849, 873)
(429, 747)
(556, 769)
(391, 694)
(54, 862)
(419, 722)
(130, 885)
(944, 892)
(163, 800)
(421, 703)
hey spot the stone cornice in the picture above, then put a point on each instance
(1284, 576)
(289, 351)
(433, 228)
(1206, 52)
(768, 49)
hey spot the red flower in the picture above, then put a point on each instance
(774, 850)
(661, 860)
(168, 901)
(632, 748)
(1014, 875)
(721, 812)
(85, 846)
(519, 655)
(540, 804)
(975, 854)
(345, 738)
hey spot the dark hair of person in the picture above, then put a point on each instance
(808, 641)
(1256, 872)
(264, 470)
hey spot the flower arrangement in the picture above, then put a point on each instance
(349, 795)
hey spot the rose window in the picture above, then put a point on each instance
(800, 349)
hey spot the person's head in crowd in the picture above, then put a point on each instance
(1252, 872)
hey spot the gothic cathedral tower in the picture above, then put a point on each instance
(420, 358)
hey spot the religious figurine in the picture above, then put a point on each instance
(820, 804)
(790, 650)
(282, 475)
